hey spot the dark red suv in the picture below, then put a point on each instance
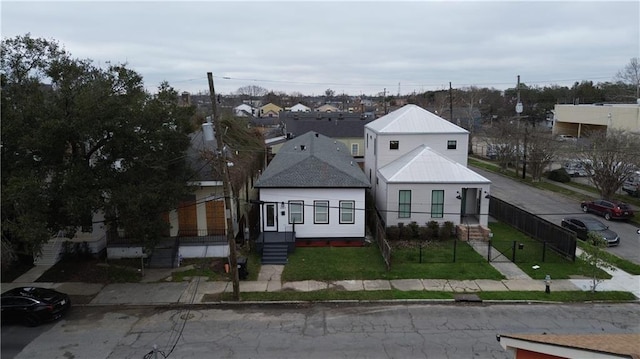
(608, 209)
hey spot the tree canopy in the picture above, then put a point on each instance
(78, 139)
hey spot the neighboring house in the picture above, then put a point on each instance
(327, 108)
(198, 225)
(579, 120)
(416, 162)
(312, 193)
(243, 110)
(347, 128)
(300, 108)
(270, 110)
(574, 346)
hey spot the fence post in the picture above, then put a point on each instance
(455, 247)
(513, 252)
(489, 252)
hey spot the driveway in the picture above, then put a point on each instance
(553, 207)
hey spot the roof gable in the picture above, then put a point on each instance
(412, 119)
(424, 165)
(313, 160)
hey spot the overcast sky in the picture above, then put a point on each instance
(350, 47)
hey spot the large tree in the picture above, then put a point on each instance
(631, 75)
(78, 139)
(612, 157)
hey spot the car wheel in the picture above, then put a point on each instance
(585, 209)
(31, 320)
(607, 216)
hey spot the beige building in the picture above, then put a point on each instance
(579, 120)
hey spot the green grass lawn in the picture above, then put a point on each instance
(331, 294)
(532, 253)
(341, 263)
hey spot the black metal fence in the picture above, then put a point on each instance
(548, 234)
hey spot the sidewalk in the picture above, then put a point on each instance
(159, 292)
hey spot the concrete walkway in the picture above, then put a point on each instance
(156, 288)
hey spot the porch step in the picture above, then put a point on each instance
(274, 254)
(50, 253)
(471, 233)
(162, 258)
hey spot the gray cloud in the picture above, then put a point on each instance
(353, 47)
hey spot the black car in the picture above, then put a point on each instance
(33, 306)
(583, 225)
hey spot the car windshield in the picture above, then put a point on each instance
(595, 226)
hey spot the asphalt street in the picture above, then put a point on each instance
(553, 207)
(408, 330)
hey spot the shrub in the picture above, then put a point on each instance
(433, 229)
(424, 233)
(559, 175)
(393, 233)
(446, 231)
(413, 230)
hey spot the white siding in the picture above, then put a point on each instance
(369, 157)
(308, 229)
(421, 202)
(407, 143)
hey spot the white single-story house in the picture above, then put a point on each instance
(243, 110)
(312, 193)
(300, 108)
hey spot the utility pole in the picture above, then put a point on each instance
(222, 166)
(384, 100)
(524, 149)
(450, 103)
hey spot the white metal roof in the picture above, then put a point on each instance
(423, 165)
(413, 119)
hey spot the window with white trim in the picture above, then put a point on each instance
(296, 211)
(347, 212)
(320, 212)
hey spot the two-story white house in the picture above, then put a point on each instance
(416, 162)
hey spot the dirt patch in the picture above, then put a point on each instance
(90, 271)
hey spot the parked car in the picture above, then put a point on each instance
(33, 305)
(632, 184)
(583, 225)
(578, 168)
(608, 209)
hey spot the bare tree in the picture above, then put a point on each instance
(631, 74)
(593, 255)
(502, 143)
(612, 157)
(252, 91)
(540, 150)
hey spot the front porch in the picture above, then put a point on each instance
(275, 246)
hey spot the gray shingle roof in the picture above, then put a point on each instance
(331, 124)
(196, 156)
(313, 161)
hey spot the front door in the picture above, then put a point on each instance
(270, 218)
